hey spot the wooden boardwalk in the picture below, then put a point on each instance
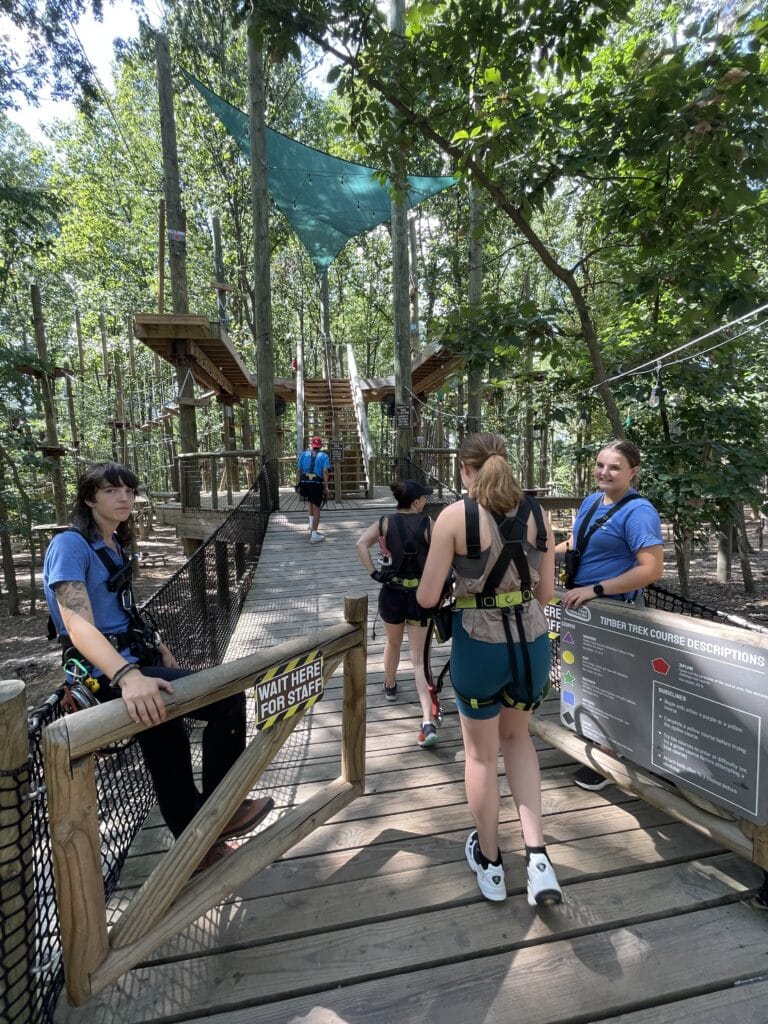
(375, 916)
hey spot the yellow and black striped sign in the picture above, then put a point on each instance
(286, 688)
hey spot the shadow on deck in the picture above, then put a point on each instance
(375, 917)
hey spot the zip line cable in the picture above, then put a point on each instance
(127, 149)
(658, 360)
(657, 366)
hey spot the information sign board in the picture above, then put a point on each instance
(402, 415)
(685, 698)
(285, 688)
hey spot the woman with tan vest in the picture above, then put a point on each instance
(502, 555)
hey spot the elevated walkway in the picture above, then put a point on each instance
(375, 917)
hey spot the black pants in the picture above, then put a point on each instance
(168, 756)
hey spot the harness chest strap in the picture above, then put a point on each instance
(310, 474)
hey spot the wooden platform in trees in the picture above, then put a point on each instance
(375, 917)
(215, 363)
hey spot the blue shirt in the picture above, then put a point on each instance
(612, 548)
(71, 559)
(322, 462)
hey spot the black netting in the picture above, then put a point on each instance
(17, 930)
(197, 610)
(198, 607)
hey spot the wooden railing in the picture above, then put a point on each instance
(223, 473)
(361, 419)
(95, 956)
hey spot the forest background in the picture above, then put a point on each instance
(612, 160)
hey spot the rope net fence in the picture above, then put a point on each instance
(196, 610)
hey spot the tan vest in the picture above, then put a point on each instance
(485, 624)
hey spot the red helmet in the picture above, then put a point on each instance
(316, 442)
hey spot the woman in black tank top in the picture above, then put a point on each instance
(403, 538)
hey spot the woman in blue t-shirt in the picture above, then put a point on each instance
(623, 555)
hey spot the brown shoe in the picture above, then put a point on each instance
(217, 852)
(247, 817)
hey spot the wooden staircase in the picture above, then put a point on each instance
(329, 412)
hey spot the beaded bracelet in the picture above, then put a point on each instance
(123, 671)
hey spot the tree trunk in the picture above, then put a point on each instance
(743, 547)
(9, 569)
(724, 549)
(46, 388)
(683, 542)
(7, 460)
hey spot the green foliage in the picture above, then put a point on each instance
(53, 54)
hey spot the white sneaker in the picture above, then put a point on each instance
(316, 537)
(490, 880)
(543, 887)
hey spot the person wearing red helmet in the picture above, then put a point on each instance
(313, 467)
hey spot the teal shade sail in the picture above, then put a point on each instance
(325, 199)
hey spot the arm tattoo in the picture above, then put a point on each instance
(73, 597)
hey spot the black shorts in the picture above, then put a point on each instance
(312, 490)
(396, 606)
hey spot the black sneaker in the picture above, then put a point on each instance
(390, 692)
(589, 779)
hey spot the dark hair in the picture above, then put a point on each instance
(629, 450)
(94, 479)
(403, 499)
(495, 486)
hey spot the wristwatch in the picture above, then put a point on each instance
(599, 589)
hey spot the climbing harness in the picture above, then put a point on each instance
(513, 534)
(403, 551)
(141, 638)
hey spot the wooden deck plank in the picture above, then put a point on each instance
(375, 916)
(745, 1002)
(255, 976)
(562, 982)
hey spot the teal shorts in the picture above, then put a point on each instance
(483, 672)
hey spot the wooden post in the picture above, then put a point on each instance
(353, 710)
(300, 433)
(17, 904)
(161, 257)
(325, 320)
(74, 824)
(71, 408)
(107, 378)
(120, 413)
(79, 334)
(51, 433)
(265, 367)
(177, 262)
(222, 573)
(133, 396)
(413, 286)
(403, 379)
(218, 264)
(81, 370)
(475, 298)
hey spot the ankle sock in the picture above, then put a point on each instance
(484, 862)
(535, 849)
